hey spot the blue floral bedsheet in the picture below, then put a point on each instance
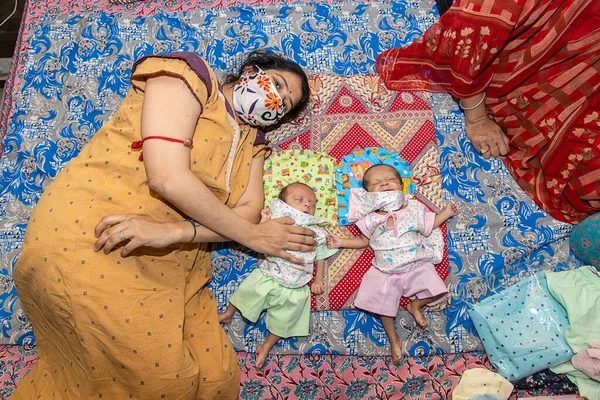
(76, 73)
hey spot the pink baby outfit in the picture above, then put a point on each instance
(405, 250)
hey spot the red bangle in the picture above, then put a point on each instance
(138, 143)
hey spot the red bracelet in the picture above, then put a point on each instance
(138, 143)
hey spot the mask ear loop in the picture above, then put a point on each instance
(251, 69)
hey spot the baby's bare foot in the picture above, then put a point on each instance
(261, 356)
(415, 310)
(396, 346)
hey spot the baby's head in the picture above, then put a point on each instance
(299, 196)
(382, 178)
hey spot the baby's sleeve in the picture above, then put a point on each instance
(367, 225)
(323, 252)
(427, 219)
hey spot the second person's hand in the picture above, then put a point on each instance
(487, 137)
(133, 231)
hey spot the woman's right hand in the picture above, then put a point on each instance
(277, 236)
(137, 230)
(487, 137)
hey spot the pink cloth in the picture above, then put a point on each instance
(380, 293)
(588, 361)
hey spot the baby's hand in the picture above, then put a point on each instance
(317, 287)
(334, 242)
(451, 210)
(265, 215)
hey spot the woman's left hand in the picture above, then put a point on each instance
(138, 230)
(487, 137)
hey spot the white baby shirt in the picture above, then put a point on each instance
(409, 240)
(287, 273)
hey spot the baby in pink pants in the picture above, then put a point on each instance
(402, 233)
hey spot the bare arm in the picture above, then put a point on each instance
(248, 207)
(318, 285)
(357, 242)
(170, 109)
(144, 231)
(448, 212)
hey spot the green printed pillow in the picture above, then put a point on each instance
(316, 170)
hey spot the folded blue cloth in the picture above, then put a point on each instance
(522, 328)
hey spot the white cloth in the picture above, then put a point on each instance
(284, 272)
(409, 239)
(362, 203)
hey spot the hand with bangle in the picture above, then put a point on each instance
(485, 135)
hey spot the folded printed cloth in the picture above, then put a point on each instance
(522, 328)
(481, 382)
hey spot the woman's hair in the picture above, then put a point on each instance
(265, 59)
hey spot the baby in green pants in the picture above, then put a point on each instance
(279, 286)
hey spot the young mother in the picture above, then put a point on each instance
(181, 148)
(533, 66)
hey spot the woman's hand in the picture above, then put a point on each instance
(138, 230)
(487, 137)
(277, 236)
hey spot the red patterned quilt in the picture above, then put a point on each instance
(355, 112)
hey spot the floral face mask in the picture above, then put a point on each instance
(256, 100)
(362, 202)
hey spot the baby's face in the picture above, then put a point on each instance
(301, 198)
(383, 178)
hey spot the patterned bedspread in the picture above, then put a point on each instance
(71, 72)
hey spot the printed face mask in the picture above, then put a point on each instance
(255, 99)
(362, 202)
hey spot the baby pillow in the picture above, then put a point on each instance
(350, 171)
(316, 170)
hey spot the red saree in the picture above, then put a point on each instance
(538, 62)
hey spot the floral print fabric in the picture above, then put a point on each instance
(585, 241)
(315, 377)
